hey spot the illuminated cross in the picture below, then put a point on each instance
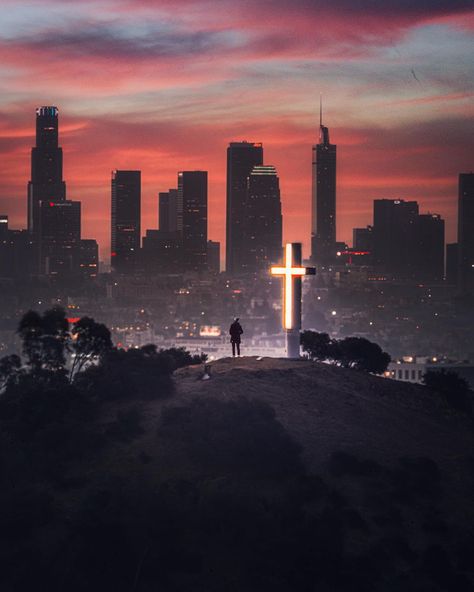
(292, 273)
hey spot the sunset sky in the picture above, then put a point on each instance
(162, 86)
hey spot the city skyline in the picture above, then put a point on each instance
(144, 89)
(46, 166)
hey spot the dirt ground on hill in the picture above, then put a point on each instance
(326, 408)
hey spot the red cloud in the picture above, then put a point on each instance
(168, 98)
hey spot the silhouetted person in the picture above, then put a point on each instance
(235, 333)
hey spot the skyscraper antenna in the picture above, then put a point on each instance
(320, 109)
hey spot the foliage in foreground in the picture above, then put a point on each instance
(221, 500)
(53, 397)
(84, 356)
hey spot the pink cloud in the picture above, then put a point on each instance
(229, 77)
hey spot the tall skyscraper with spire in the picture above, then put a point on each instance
(46, 182)
(323, 219)
(54, 223)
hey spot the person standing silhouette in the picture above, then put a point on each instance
(235, 331)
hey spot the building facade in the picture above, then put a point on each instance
(192, 218)
(452, 264)
(125, 220)
(162, 252)
(167, 210)
(263, 221)
(363, 239)
(59, 236)
(428, 253)
(323, 226)
(242, 157)
(18, 253)
(87, 258)
(394, 221)
(408, 245)
(214, 256)
(46, 182)
(466, 232)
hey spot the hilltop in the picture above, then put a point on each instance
(273, 475)
(325, 407)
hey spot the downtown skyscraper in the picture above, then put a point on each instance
(407, 245)
(192, 218)
(263, 220)
(466, 232)
(393, 231)
(167, 210)
(323, 215)
(125, 221)
(46, 182)
(60, 237)
(54, 223)
(242, 157)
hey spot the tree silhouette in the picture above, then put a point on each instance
(351, 352)
(362, 354)
(180, 357)
(89, 341)
(316, 345)
(452, 387)
(31, 331)
(10, 367)
(132, 373)
(44, 339)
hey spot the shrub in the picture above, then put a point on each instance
(31, 404)
(437, 566)
(44, 339)
(127, 426)
(238, 435)
(180, 357)
(342, 463)
(10, 367)
(362, 354)
(316, 345)
(21, 512)
(89, 340)
(128, 374)
(416, 477)
(454, 389)
(351, 352)
(465, 552)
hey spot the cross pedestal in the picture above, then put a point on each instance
(292, 338)
(292, 273)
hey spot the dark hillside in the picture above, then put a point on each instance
(274, 475)
(325, 407)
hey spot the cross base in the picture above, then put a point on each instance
(292, 343)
